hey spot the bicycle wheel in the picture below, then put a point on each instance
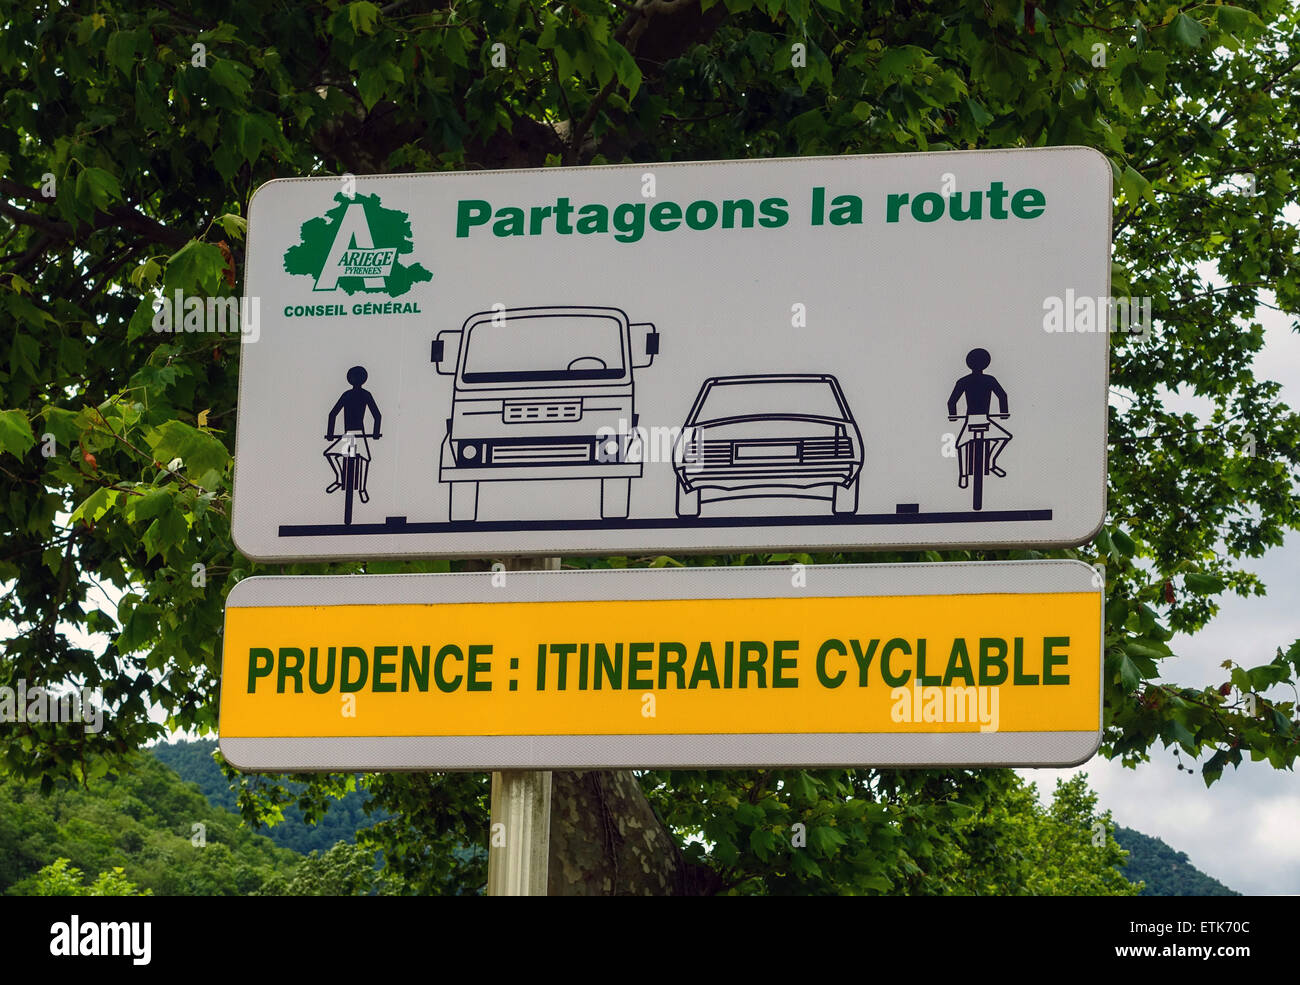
(978, 451)
(349, 483)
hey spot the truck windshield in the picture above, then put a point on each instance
(545, 347)
(757, 397)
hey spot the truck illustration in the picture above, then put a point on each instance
(537, 393)
(786, 435)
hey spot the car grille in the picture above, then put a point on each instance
(810, 450)
(822, 449)
(522, 412)
(541, 453)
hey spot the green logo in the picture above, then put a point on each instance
(356, 246)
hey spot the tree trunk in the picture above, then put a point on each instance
(607, 841)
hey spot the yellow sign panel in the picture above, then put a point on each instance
(806, 664)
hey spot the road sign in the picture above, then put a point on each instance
(988, 663)
(843, 352)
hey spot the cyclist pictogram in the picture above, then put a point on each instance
(981, 441)
(349, 453)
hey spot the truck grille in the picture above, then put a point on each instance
(521, 412)
(541, 453)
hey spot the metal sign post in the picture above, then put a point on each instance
(520, 833)
(519, 829)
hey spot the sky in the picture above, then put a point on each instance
(1243, 830)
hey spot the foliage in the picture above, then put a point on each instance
(1164, 871)
(894, 832)
(344, 870)
(61, 878)
(135, 828)
(152, 152)
(1019, 848)
(435, 836)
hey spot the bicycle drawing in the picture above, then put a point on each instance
(980, 441)
(349, 452)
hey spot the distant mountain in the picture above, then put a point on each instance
(1165, 871)
(164, 835)
(194, 762)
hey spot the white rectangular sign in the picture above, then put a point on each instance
(879, 352)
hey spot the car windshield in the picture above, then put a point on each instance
(770, 398)
(545, 347)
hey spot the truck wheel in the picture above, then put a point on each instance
(846, 498)
(464, 501)
(614, 496)
(688, 503)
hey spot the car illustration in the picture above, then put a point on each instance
(788, 435)
(537, 393)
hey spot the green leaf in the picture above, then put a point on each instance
(825, 838)
(1135, 186)
(146, 274)
(761, 842)
(1132, 86)
(1182, 735)
(16, 436)
(121, 51)
(99, 187)
(141, 322)
(251, 132)
(231, 76)
(151, 504)
(363, 16)
(370, 86)
(1203, 584)
(453, 45)
(197, 450)
(166, 532)
(195, 268)
(1188, 30)
(979, 114)
(1123, 542)
(626, 68)
(1265, 676)
(1235, 20)
(236, 226)
(95, 505)
(65, 425)
(1152, 651)
(1129, 674)
(802, 788)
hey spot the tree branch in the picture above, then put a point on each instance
(121, 216)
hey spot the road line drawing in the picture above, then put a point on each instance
(537, 393)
